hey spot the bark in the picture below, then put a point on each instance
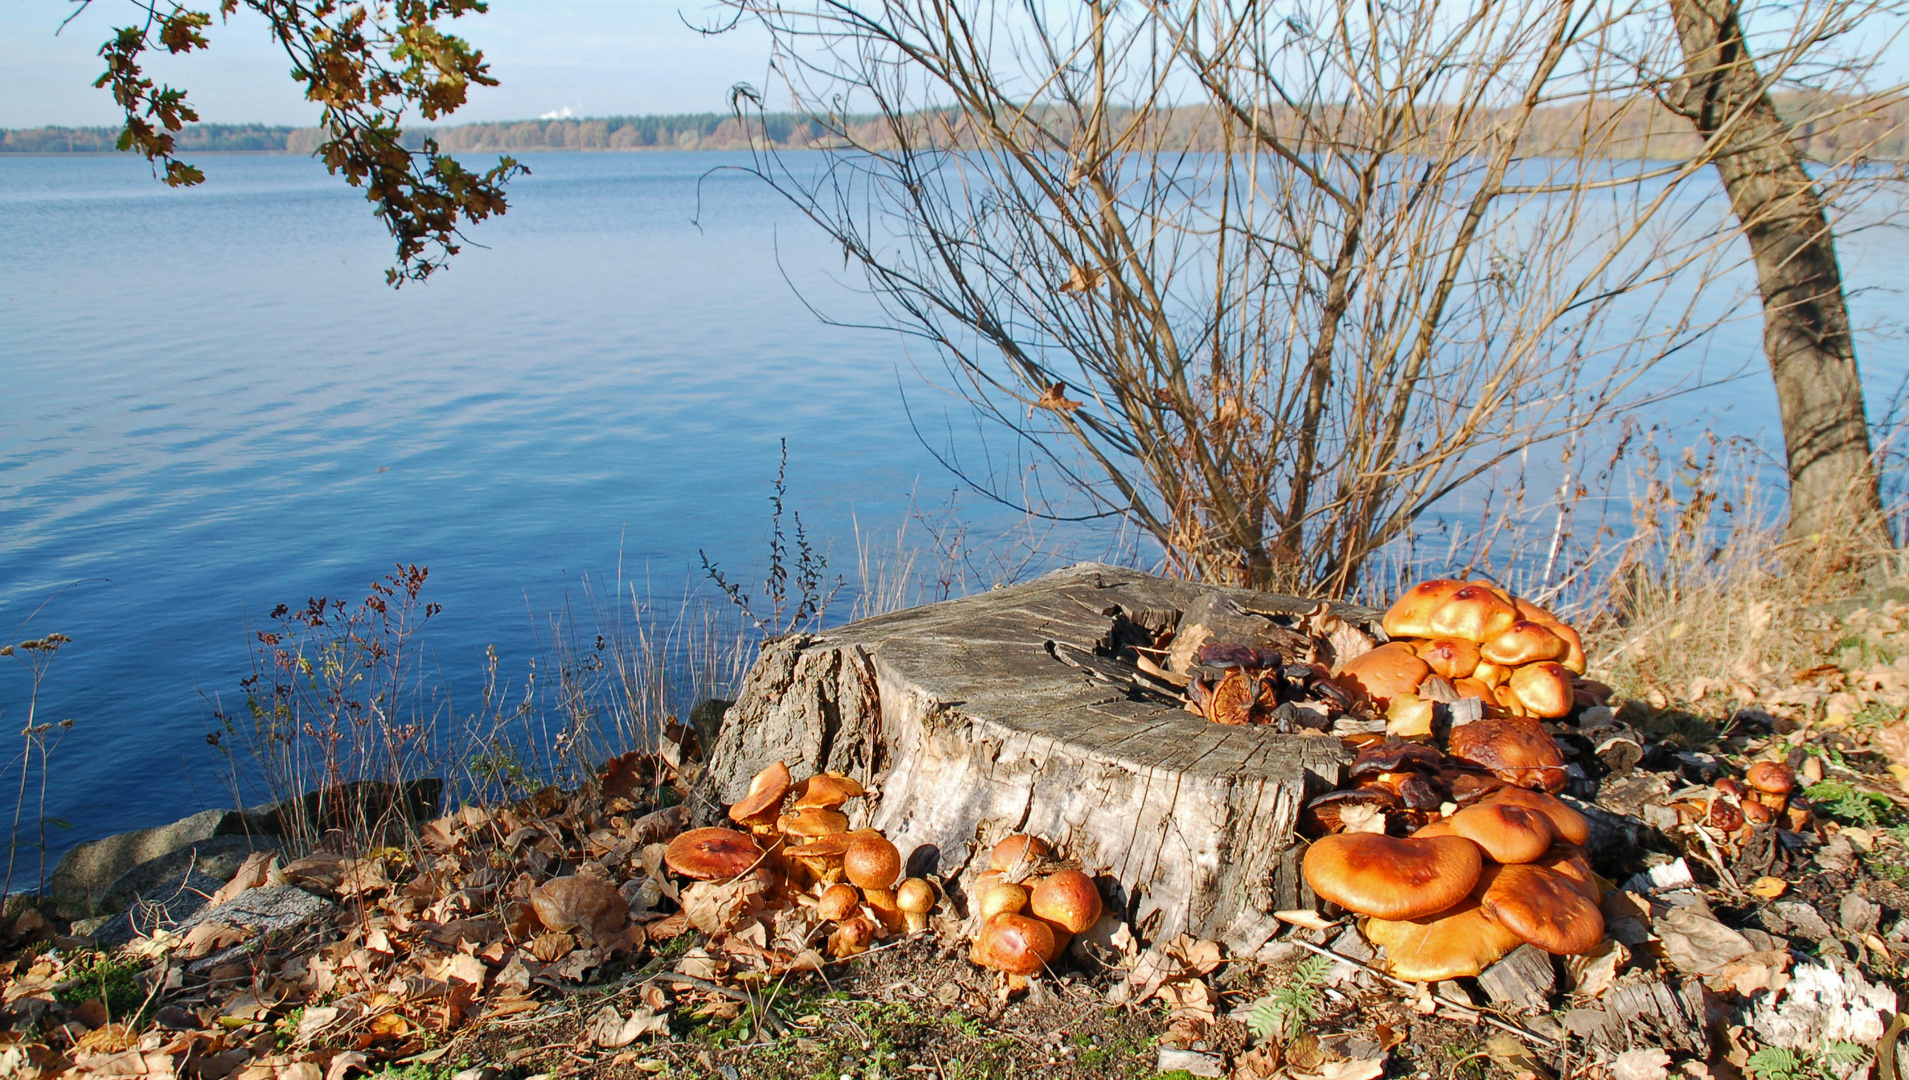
(1806, 332)
(993, 714)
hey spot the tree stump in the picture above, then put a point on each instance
(1004, 712)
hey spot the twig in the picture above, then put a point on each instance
(1716, 859)
(1465, 1013)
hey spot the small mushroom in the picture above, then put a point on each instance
(1543, 907)
(1773, 780)
(1001, 897)
(1725, 815)
(764, 801)
(713, 854)
(871, 862)
(1017, 851)
(1016, 944)
(1544, 688)
(886, 906)
(1391, 878)
(1524, 642)
(1757, 814)
(1384, 673)
(1066, 898)
(852, 937)
(1449, 657)
(827, 791)
(838, 902)
(916, 899)
(813, 822)
(1469, 784)
(1517, 751)
(1573, 644)
(1410, 616)
(1476, 613)
(1459, 942)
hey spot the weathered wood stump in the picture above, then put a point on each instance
(995, 713)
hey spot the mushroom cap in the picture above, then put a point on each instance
(1492, 675)
(1016, 850)
(1449, 657)
(1410, 616)
(1068, 899)
(829, 846)
(916, 896)
(1516, 751)
(1544, 688)
(1542, 906)
(1570, 825)
(1725, 815)
(852, 936)
(1524, 642)
(1569, 863)
(1509, 834)
(766, 790)
(1322, 815)
(1384, 673)
(1016, 944)
(1393, 755)
(1458, 942)
(1508, 702)
(814, 821)
(838, 902)
(1391, 878)
(1476, 688)
(1000, 897)
(1476, 613)
(885, 906)
(871, 862)
(827, 791)
(712, 854)
(1756, 813)
(1573, 657)
(1771, 777)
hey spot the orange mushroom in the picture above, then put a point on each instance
(1570, 825)
(1066, 898)
(1474, 613)
(827, 791)
(1391, 878)
(1543, 907)
(766, 789)
(1411, 615)
(1017, 851)
(1509, 834)
(1384, 673)
(1449, 657)
(871, 862)
(1016, 944)
(1516, 751)
(712, 854)
(1524, 642)
(1455, 943)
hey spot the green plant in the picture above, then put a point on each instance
(1850, 805)
(111, 979)
(1293, 1004)
(1778, 1063)
(787, 610)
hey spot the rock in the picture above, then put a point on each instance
(261, 912)
(1193, 1062)
(166, 905)
(1523, 980)
(216, 857)
(86, 872)
(1798, 920)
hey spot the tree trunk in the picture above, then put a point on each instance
(975, 718)
(1806, 335)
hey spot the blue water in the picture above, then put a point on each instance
(212, 404)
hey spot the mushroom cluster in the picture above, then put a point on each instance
(1766, 796)
(1517, 658)
(798, 839)
(1468, 887)
(1027, 909)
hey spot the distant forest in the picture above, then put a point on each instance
(1879, 131)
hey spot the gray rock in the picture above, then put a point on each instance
(166, 905)
(216, 857)
(263, 912)
(87, 871)
(1195, 1062)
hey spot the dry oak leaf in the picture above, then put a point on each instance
(611, 1030)
(342, 1065)
(1082, 279)
(1593, 973)
(252, 873)
(713, 908)
(1644, 1064)
(1054, 398)
(550, 946)
(1190, 999)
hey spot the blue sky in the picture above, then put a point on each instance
(594, 57)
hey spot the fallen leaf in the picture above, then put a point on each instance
(1768, 888)
(1305, 917)
(1082, 279)
(1055, 398)
(343, 1064)
(1593, 973)
(1697, 944)
(714, 908)
(251, 874)
(1361, 818)
(1752, 973)
(611, 1030)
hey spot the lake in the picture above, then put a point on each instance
(214, 405)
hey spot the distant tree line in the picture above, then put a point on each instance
(1649, 134)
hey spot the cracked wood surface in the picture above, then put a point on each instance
(967, 725)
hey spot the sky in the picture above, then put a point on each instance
(592, 57)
